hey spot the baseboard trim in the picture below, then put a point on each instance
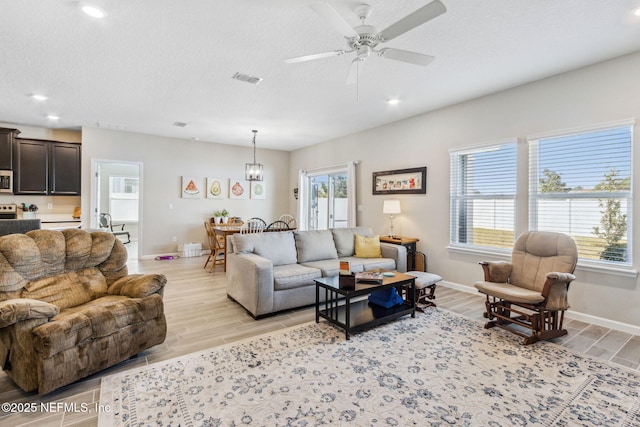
(569, 314)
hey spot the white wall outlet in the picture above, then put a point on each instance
(174, 239)
(49, 205)
(170, 206)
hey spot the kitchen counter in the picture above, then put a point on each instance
(58, 221)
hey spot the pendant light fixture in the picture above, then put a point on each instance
(253, 171)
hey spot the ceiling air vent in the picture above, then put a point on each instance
(246, 78)
(179, 124)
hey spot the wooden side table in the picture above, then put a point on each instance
(407, 242)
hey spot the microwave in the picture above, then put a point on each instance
(6, 181)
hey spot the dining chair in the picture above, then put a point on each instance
(116, 229)
(289, 219)
(253, 225)
(215, 246)
(278, 225)
(261, 221)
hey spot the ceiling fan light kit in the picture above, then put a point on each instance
(364, 39)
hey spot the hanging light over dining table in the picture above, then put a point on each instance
(254, 171)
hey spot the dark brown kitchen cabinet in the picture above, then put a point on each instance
(46, 167)
(65, 169)
(6, 147)
(31, 173)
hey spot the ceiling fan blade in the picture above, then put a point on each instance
(314, 56)
(354, 71)
(332, 17)
(409, 22)
(406, 56)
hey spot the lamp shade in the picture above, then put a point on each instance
(391, 207)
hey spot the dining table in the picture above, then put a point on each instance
(227, 230)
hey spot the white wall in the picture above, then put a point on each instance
(597, 94)
(165, 161)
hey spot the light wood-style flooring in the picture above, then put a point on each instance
(200, 316)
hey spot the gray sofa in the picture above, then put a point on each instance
(270, 272)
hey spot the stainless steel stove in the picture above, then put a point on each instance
(8, 211)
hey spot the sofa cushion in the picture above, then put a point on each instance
(355, 264)
(68, 289)
(366, 264)
(98, 318)
(279, 247)
(368, 246)
(328, 267)
(294, 276)
(344, 239)
(315, 245)
(373, 263)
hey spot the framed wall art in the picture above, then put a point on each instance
(191, 187)
(217, 188)
(401, 181)
(238, 189)
(258, 190)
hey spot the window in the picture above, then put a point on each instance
(123, 198)
(580, 184)
(483, 190)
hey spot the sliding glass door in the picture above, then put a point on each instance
(328, 201)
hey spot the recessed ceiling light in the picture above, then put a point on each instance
(93, 11)
(39, 97)
(393, 101)
(637, 12)
(53, 117)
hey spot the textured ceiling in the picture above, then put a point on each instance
(151, 63)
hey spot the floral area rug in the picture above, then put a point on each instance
(439, 369)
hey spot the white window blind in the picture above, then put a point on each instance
(483, 190)
(580, 184)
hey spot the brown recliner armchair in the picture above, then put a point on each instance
(530, 292)
(69, 308)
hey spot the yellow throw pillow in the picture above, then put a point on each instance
(368, 247)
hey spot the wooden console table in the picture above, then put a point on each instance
(407, 242)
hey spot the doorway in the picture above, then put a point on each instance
(118, 192)
(328, 201)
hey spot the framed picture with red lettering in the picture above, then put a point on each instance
(401, 181)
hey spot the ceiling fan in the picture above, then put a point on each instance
(366, 39)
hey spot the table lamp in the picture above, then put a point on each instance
(391, 207)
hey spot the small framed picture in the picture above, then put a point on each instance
(191, 187)
(217, 188)
(238, 189)
(258, 190)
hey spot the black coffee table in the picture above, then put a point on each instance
(352, 316)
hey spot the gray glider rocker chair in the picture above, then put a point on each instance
(530, 292)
